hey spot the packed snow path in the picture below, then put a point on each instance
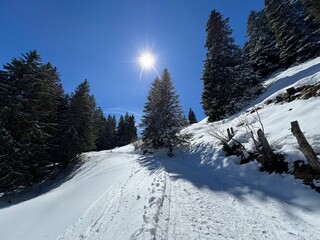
(124, 195)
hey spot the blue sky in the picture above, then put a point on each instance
(100, 40)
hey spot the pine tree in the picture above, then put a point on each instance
(296, 36)
(261, 45)
(163, 116)
(192, 117)
(222, 58)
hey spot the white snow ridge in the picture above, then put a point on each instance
(198, 194)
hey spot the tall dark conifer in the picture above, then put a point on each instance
(131, 129)
(101, 126)
(192, 117)
(297, 37)
(29, 119)
(261, 45)
(313, 7)
(111, 131)
(126, 130)
(82, 119)
(223, 56)
(121, 132)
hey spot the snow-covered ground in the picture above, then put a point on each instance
(198, 194)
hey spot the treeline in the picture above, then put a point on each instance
(286, 32)
(42, 129)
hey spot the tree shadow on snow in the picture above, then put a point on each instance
(39, 189)
(224, 175)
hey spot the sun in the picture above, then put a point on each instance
(147, 60)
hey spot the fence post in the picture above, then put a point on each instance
(305, 147)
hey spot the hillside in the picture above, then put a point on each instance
(198, 194)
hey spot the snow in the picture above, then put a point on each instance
(198, 194)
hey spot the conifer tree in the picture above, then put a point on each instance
(82, 119)
(101, 126)
(261, 45)
(222, 58)
(111, 131)
(313, 7)
(29, 119)
(297, 37)
(126, 130)
(192, 117)
(131, 129)
(121, 132)
(163, 116)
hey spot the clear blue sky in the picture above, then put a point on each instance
(101, 40)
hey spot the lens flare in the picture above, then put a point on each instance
(147, 60)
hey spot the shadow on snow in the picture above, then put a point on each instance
(224, 175)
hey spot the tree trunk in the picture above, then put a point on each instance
(170, 152)
(229, 134)
(305, 147)
(268, 155)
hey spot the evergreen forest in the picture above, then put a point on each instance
(43, 129)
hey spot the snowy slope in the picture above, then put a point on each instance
(199, 194)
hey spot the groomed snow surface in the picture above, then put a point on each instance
(198, 194)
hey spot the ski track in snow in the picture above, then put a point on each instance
(198, 194)
(167, 200)
(200, 213)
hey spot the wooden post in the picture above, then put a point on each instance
(232, 132)
(269, 157)
(305, 147)
(229, 134)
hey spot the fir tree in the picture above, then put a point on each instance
(192, 117)
(111, 132)
(261, 45)
(131, 129)
(101, 126)
(296, 36)
(126, 131)
(313, 7)
(82, 119)
(222, 58)
(29, 119)
(121, 132)
(163, 116)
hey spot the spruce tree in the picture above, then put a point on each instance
(111, 132)
(297, 37)
(131, 129)
(261, 45)
(163, 116)
(222, 58)
(29, 119)
(192, 117)
(101, 126)
(121, 132)
(126, 130)
(82, 119)
(313, 7)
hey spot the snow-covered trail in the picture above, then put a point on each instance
(99, 201)
(123, 195)
(234, 202)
